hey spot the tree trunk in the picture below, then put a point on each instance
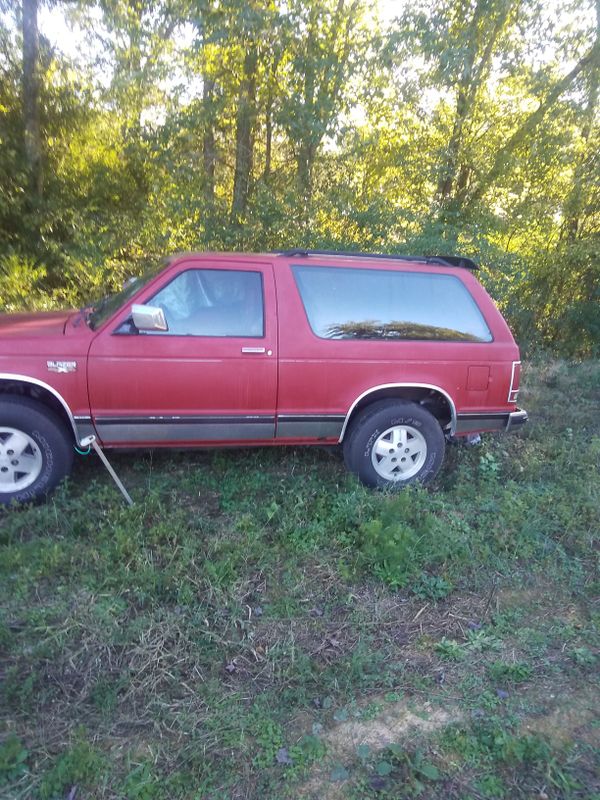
(31, 98)
(209, 153)
(244, 136)
(268, 138)
(323, 82)
(304, 161)
(463, 110)
(454, 174)
(269, 105)
(575, 201)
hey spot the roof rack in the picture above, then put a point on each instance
(447, 261)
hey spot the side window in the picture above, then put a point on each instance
(344, 303)
(213, 302)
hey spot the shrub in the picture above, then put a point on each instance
(407, 540)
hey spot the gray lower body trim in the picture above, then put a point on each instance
(184, 429)
(84, 427)
(309, 426)
(500, 421)
(114, 430)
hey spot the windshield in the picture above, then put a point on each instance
(105, 308)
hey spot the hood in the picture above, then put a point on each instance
(40, 323)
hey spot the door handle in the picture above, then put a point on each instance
(254, 350)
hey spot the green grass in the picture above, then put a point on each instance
(258, 625)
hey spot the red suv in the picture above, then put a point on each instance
(386, 355)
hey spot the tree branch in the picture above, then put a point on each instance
(529, 125)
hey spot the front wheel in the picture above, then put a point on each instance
(35, 451)
(394, 443)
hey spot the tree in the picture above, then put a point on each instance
(587, 163)
(476, 43)
(244, 134)
(325, 49)
(528, 126)
(31, 98)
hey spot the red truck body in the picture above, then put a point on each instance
(288, 386)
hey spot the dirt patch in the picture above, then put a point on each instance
(532, 598)
(397, 723)
(570, 716)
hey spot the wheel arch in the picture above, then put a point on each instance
(434, 398)
(42, 392)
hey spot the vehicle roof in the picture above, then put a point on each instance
(313, 256)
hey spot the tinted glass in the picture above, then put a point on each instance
(385, 304)
(213, 302)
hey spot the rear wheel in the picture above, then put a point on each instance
(394, 443)
(35, 450)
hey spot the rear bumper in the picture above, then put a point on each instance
(516, 419)
(494, 421)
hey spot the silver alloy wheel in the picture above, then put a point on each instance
(399, 453)
(20, 460)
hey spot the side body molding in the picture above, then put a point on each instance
(445, 394)
(35, 382)
(69, 413)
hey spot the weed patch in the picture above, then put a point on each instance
(258, 625)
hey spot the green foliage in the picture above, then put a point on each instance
(13, 758)
(81, 765)
(430, 133)
(142, 784)
(268, 736)
(307, 751)
(22, 283)
(492, 741)
(431, 587)
(406, 539)
(476, 642)
(229, 631)
(584, 657)
(449, 649)
(510, 671)
(489, 465)
(401, 769)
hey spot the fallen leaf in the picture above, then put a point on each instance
(283, 757)
(341, 715)
(339, 773)
(430, 771)
(363, 751)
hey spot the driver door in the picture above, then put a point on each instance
(211, 377)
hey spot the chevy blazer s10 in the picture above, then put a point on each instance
(386, 356)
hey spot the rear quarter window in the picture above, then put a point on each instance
(343, 303)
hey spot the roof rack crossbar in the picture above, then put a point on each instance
(447, 261)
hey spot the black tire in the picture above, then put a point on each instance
(49, 450)
(371, 428)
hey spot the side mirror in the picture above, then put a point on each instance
(148, 318)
